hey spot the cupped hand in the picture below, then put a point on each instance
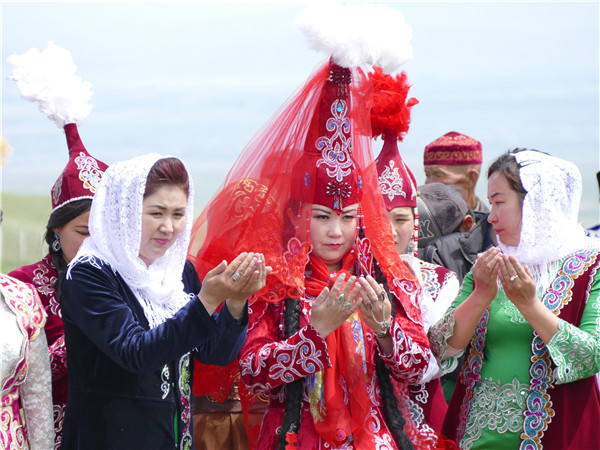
(235, 282)
(332, 307)
(375, 307)
(517, 282)
(485, 273)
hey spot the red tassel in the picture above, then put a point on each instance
(291, 438)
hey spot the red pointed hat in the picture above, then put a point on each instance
(396, 181)
(390, 118)
(81, 176)
(453, 149)
(326, 173)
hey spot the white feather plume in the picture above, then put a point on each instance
(49, 79)
(357, 34)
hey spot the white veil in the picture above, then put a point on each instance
(549, 227)
(115, 226)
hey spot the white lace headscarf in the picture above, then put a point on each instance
(549, 226)
(115, 226)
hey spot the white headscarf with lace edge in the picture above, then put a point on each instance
(549, 224)
(115, 226)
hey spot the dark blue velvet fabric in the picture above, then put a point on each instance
(128, 383)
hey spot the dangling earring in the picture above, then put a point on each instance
(56, 243)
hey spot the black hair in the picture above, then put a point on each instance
(57, 219)
(295, 389)
(506, 165)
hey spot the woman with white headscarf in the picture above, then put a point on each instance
(529, 316)
(134, 311)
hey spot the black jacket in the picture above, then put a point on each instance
(458, 251)
(129, 385)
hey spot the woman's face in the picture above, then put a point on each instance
(332, 233)
(402, 219)
(72, 234)
(163, 218)
(506, 210)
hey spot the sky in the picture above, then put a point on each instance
(197, 79)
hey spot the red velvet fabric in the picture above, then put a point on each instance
(453, 149)
(43, 275)
(80, 177)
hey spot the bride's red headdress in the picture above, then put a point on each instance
(317, 148)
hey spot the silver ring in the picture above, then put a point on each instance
(347, 305)
(236, 276)
(513, 277)
(341, 298)
(382, 295)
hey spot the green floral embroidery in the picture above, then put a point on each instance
(495, 407)
(575, 352)
(510, 309)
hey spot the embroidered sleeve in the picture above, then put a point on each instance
(266, 362)
(444, 328)
(439, 335)
(575, 352)
(37, 396)
(58, 358)
(410, 361)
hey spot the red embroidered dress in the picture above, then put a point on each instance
(269, 361)
(43, 275)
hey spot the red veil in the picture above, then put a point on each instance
(251, 209)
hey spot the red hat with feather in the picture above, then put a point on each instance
(390, 119)
(49, 78)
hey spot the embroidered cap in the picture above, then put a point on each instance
(81, 175)
(326, 173)
(453, 149)
(49, 78)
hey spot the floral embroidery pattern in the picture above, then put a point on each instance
(510, 309)
(289, 357)
(573, 353)
(440, 333)
(45, 285)
(164, 386)
(184, 389)
(431, 283)
(89, 172)
(495, 407)
(56, 191)
(336, 150)
(471, 372)
(408, 362)
(390, 182)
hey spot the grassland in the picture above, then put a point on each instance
(22, 230)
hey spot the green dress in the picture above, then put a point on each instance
(496, 413)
